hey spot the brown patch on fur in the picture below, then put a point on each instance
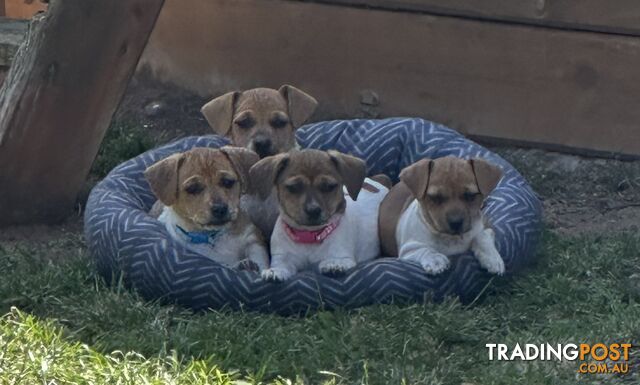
(202, 185)
(309, 183)
(261, 119)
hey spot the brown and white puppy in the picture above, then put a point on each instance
(321, 224)
(263, 120)
(200, 192)
(435, 212)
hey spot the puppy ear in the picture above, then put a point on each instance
(242, 160)
(163, 178)
(219, 112)
(352, 170)
(416, 177)
(264, 174)
(301, 105)
(487, 175)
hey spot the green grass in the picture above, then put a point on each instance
(122, 141)
(66, 326)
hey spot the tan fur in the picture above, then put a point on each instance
(261, 119)
(450, 192)
(194, 181)
(309, 178)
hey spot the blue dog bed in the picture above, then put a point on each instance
(128, 243)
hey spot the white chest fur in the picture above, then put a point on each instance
(229, 248)
(354, 240)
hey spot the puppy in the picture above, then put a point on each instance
(435, 212)
(200, 194)
(318, 226)
(263, 120)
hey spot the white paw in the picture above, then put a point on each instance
(492, 262)
(275, 274)
(336, 266)
(434, 263)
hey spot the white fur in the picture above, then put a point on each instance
(229, 249)
(418, 243)
(355, 240)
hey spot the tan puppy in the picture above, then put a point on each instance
(435, 212)
(263, 120)
(319, 225)
(200, 191)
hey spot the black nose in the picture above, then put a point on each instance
(313, 211)
(456, 225)
(262, 145)
(219, 210)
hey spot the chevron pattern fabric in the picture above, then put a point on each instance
(130, 245)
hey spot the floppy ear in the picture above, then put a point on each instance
(301, 105)
(487, 175)
(416, 177)
(264, 174)
(242, 160)
(219, 112)
(163, 178)
(352, 170)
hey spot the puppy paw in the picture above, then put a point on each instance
(336, 266)
(276, 275)
(247, 264)
(434, 263)
(492, 262)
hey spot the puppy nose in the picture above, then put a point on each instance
(262, 145)
(456, 225)
(313, 210)
(219, 210)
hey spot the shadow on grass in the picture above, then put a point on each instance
(581, 290)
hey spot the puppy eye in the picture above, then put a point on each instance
(470, 196)
(227, 182)
(437, 199)
(328, 187)
(279, 122)
(194, 189)
(245, 122)
(295, 188)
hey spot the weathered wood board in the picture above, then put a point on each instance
(549, 87)
(615, 16)
(58, 98)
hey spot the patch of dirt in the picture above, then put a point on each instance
(168, 112)
(580, 194)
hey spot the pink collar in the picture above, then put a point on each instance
(311, 236)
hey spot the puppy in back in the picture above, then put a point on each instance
(263, 120)
(327, 219)
(435, 212)
(199, 191)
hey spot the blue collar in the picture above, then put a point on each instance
(202, 237)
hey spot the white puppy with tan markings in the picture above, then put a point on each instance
(328, 216)
(199, 194)
(435, 212)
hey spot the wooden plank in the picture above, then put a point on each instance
(574, 89)
(58, 98)
(611, 16)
